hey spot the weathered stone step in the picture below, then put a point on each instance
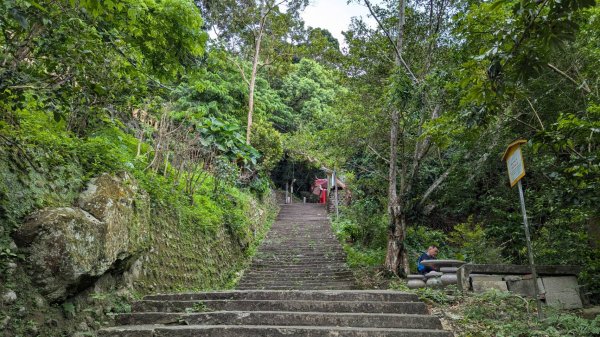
(296, 258)
(317, 258)
(301, 244)
(305, 239)
(287, 305)
(306, 263)
(307, 234)
(296, 269)
(301, 276)
(299, 264)
(303, 283)
(345, 286)
(298, 274)
(283, 318)
(263, 331)
(286, 248)
(332, 295)
(321, 246)
(281, 233)
(315, 269)
(306, 251)
(300, 283)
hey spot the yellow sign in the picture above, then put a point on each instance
(514, 162)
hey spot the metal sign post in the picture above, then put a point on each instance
(337, 202)
(516, 171)
(530, 252)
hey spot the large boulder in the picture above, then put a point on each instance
(65, 248)
(68, 248)
(111, 199)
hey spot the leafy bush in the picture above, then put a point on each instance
(496, 313)
(357, 255)
(430, 295)
(419, 238)
(473, 245)
(260, 186)
(268, 142)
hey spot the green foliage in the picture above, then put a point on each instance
(236, 217)
(418, 239)
(362, 224)
(357, 255)
(309, 91)
(430, 295)
(198, 307)
(167, 33)
(361, 257)
(226, 137)
(267, 141)
(261, 186)
(496, 313)
(473, 245)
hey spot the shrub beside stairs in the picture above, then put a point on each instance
(297, 285)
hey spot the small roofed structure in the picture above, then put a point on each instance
(327, 186)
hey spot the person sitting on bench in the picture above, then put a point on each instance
(431, 253)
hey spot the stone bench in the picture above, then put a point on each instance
(557, 284)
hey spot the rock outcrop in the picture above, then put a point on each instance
(70, 247)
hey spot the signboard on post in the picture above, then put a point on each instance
(516, 171)
(514, 161)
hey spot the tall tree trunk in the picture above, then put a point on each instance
(396, 259)
(253, 81)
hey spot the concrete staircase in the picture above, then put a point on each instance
(299, 252)
(298, 285)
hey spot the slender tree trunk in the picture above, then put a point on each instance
(396, 259)
(253, 84)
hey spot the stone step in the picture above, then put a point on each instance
(300, 284)
(255, 286)
(294, 271)
(283, 318)
(303, 233)
(324, 255)
(299, 264)
(300, 258)
(286, 247)
(263, 331)
(302, 266)
(297, 274)
(283, 246)
(303, 241)
(333, 295)
(306, 263)
(285, 305)
(316, 269)
(306, 251)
